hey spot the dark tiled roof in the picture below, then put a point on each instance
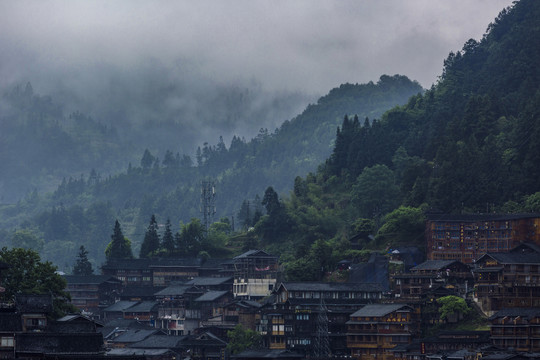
(54, 343)
(34, 303)
(379, 309)
(346, 303)
(215, 263)
(209, 281)
(160, 342)
(140, 291)
(10, 321)
(515, 258)
(120, 306)
(322, 286)
(122, 324)
(206, 339)
(479, 217)
(527, 246)
(433, 265)
(143, 306)
(140, 264)
(267, 354)
(132, 352)
(173, 290)
(527, 313)
(90, 279)
(257, 253)
(133, 264)
(183, 262)
(247, 304)
(133, 336)
(211, 295)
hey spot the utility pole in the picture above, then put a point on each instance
(208, 202)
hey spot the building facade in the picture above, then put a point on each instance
(468, 237)
(508, 280)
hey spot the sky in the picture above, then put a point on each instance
(224, 67)
(306, 45)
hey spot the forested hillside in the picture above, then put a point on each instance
(470, 144)
(82, 209)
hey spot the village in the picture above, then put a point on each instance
(397, 305)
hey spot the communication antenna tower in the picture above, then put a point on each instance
(208, 202)
(322, 346)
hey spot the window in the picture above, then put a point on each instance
(7, 342)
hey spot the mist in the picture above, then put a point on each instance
(214, 68)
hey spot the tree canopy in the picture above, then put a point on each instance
(27, 274)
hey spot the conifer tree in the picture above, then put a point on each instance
(120, 246)
(83, 265)
(151, 239)
(168, 239)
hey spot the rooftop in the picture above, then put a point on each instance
(377, 310)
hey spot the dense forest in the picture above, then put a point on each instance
(469, 144)
(81, 209)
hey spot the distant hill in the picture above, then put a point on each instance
(83, 208)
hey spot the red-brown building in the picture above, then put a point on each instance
(468, 237)
(374, 330)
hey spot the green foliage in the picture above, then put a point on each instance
(375, 191)
(120, 246)
(403, 226)
(241, 339)
(451, 306)
(151, 242)
(27, 274)
(303, 269)
(168, 244)
(27, 239)
(82, 265)
(191, 238)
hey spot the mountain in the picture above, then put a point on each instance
(82, 208)
(470, 144)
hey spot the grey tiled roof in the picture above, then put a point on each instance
(133, 336)
(433, 265)
(267, 353)
(143, 306)
(160, 342)
(173, 290)
(90, 279)
(211, 296)
(479, 217)
(322, 286)
(209, 281)
(378, 309)
(254, 253)
(528, 313)
(515, 258)
(120, 306)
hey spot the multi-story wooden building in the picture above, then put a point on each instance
(508, 280)
(93, 293)
(303, 312)
(177, 314)
(374, 330)
(467, 237)
(517, 328)
(255, 274)
(429, 275)
(160, 272)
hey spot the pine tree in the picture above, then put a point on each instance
(120, 246)
(83, 265)
(168, 239)
(151, 239)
